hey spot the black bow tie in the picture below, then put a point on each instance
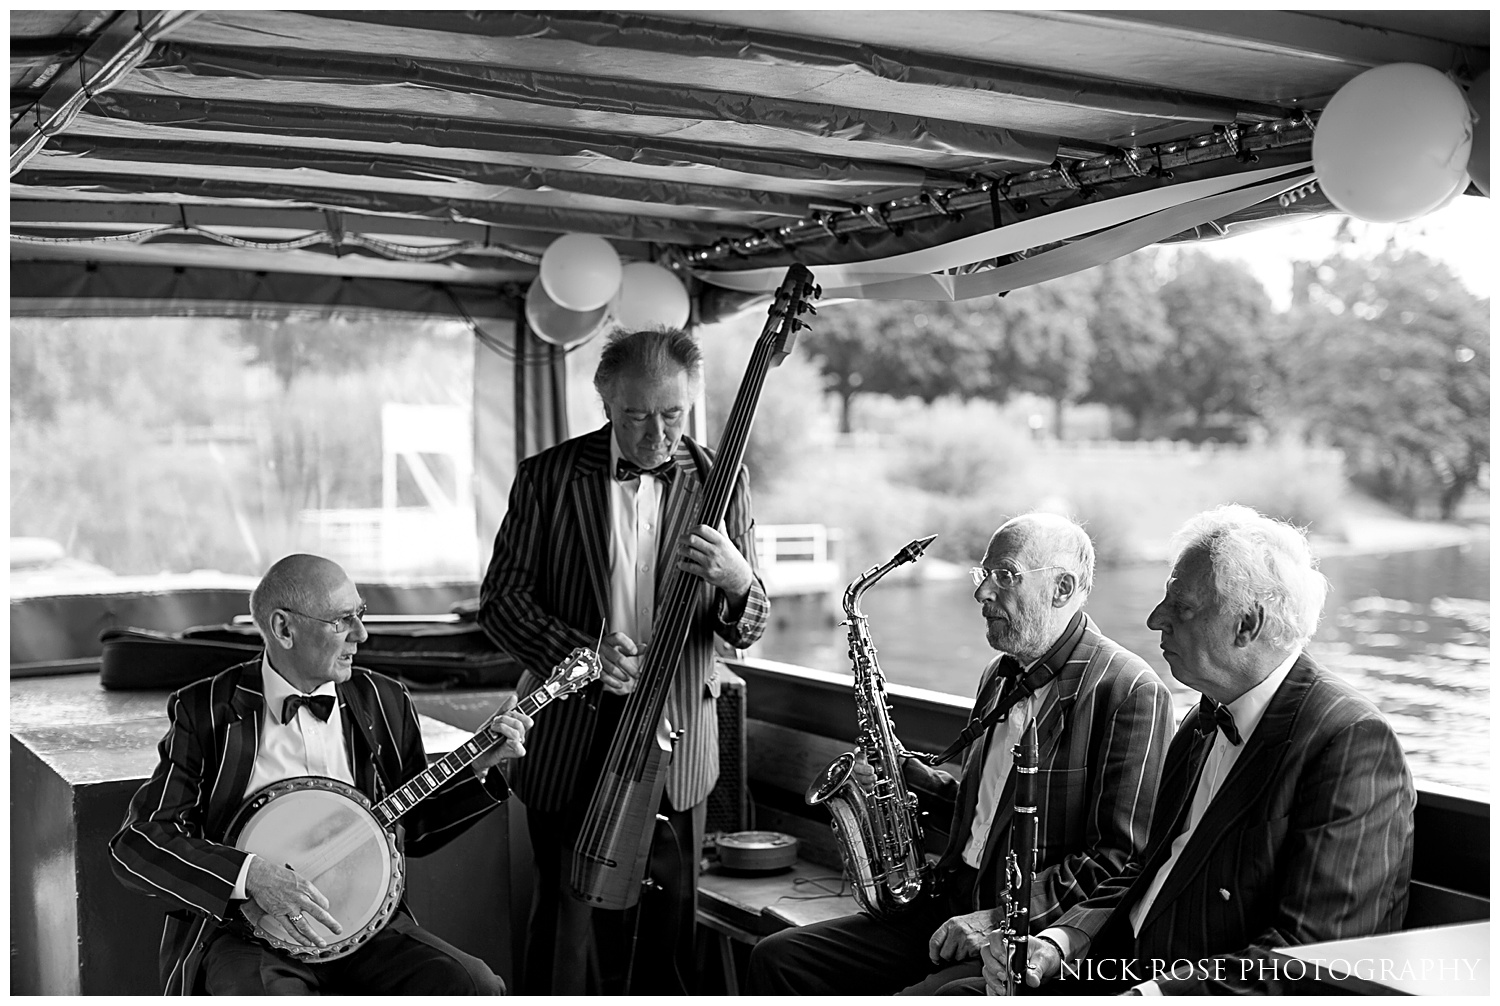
(320, 706)
(1213, 714)
(1007, 684)
(626, 470)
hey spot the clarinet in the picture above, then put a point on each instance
(1011, 941)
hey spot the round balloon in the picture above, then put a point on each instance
(1458, 190)
(651, 296)
(1393, 143)
(556, 324)
(1479, 154)
(580, 271)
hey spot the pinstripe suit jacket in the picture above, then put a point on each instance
(170, 846)
(547, 591)
(1101, 739)
(1308, 839)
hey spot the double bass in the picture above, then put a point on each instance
(608, 861)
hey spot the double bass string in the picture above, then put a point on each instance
(643, 709)
(717, 493)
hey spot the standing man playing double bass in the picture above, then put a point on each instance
(595, 526)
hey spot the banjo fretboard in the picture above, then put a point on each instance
(424, 784)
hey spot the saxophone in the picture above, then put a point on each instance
(878, 832)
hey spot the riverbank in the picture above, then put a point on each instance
(1371, 528)
(1367, 528)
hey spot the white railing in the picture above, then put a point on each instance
(797, 558)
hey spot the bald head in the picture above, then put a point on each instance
(300, 582)
(310, 616)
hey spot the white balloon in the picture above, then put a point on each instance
(1458, 190)
(556, 324)
(580, 271)
(1393, 143)
(651, 296)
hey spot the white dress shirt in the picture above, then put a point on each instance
(304, 746)
(634, 523)
(1248, 710)
(996, 765)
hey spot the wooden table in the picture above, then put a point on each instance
(744, 907)
(1440, 961)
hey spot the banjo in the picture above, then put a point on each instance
(332, 836)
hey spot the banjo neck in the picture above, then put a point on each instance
(425, 783)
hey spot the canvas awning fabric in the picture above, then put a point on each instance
(407, 150)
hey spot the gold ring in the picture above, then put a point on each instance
(294, 919)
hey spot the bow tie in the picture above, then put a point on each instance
(627, 470)
(1005, 689)
(320, 706)
(1008, 673)
(1212, 714)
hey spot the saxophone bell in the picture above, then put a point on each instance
(878, 831)
(834, 777)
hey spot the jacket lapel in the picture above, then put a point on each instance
(589, 489)
(679, 515)
(362, 741)
(1054, 712)
(241, 741)
(1254, 771)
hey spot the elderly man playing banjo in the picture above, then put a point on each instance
(242, 923)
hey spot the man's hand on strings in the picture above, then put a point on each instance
(620, 660)
(278, 891)
(511, 725)
(708, 553)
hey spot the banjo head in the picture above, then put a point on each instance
(326, 831)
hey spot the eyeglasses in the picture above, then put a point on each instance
(344, 623)
(1005, 578)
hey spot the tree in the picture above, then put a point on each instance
(1046, 345)
(1220, 318)
(1131, 340)
(292, 345)
(902, 348)
(1394, 369)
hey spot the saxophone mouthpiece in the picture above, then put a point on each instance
(914, 549)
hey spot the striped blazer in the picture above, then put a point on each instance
(170, 846)
(1308, 839)
(1102, 736)
(547, 591)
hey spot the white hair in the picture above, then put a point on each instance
(1260, 560)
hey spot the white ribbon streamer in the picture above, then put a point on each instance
(1006, 240)
(1071, 258)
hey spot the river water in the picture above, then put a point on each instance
(1410, 629)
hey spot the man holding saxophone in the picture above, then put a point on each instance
(1102, 717)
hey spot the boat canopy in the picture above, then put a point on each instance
(422, 161)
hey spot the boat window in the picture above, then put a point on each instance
(172, 447)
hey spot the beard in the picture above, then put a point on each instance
(1024, 639)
